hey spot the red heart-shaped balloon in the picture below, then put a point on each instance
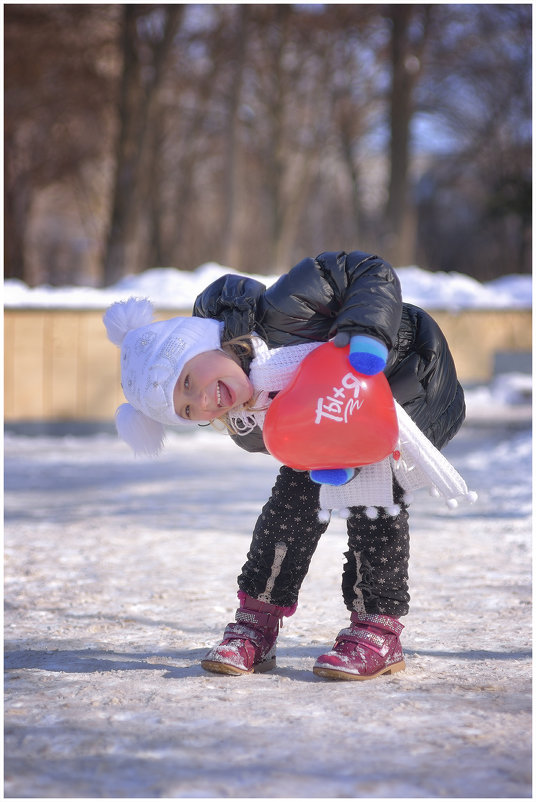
(330, 416)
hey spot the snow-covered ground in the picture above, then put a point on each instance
(170, 288)
(120, 573)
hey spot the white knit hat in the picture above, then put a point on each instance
(153, 355)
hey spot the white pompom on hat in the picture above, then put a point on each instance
(153, 355)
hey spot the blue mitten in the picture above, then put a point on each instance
(367, 355)
(332, 476)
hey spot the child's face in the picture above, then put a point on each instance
(210, 385)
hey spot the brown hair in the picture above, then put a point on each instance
(240, 347)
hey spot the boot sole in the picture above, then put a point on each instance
(334, 673)
(226, 668)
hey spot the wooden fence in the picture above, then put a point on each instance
(59, 364)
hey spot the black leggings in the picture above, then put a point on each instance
(375, 575)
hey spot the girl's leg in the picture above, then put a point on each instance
(375, 576)
(284, 540)
(375, 589)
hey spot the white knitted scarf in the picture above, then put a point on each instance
(270, 371)
(418, 464)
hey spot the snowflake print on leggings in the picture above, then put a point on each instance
(375, 577)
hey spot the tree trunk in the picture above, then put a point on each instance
(406, 67)
(136, 112)
(185, 163)
(121, 244)
(231, 165)
(155, 206)
(16, 216)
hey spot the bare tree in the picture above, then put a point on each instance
(289, 139)
(147, 44)
(253, 134)
(231, 152)
(59, 76)
(187, 159)
(409, 32)
(474, 200)
(357, 102)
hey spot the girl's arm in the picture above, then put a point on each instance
(357, 292)
(232, 299)
(371, 296)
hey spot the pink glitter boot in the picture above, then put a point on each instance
(370, 646)
(248, 645)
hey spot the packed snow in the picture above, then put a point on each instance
(170, 288)
(121, 573)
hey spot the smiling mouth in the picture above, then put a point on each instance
(224, 397)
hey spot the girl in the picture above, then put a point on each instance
(227, 362)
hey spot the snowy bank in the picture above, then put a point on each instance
(169, 288)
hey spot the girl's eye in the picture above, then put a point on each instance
(186, 387)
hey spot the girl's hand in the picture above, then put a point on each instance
(368, 356)
(333, 476)
(341, 339)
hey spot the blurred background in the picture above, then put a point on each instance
(174, 134)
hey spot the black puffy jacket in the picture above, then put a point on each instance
(356, 293)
